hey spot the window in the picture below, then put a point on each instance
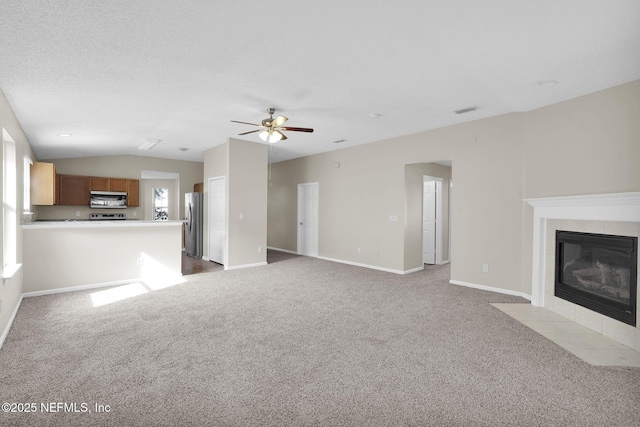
(160, 204)
(9, 208)
(26, 188)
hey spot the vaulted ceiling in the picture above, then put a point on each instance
(116, 73)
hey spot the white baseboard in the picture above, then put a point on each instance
(282, 250)
(373, 267)
(491, 289)
(80, 287)
(238, 267)
(10, 322)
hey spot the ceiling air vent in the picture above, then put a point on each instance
(466, 110)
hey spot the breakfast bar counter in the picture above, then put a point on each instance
(80, 223)
(61, 255)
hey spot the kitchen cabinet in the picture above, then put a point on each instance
(117, 184)
(73, 190)
(99, 183)
(133, 192)
(198, 188)
(108, 184)
(43, 183)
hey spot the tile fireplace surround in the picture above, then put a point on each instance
(615, 214)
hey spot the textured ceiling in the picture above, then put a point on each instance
(114, 73)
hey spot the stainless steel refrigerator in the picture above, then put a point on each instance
(193, 224)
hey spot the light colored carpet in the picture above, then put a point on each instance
(303, 341)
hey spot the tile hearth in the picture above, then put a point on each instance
(588, 345)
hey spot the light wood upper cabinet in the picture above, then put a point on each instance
(198, 188)
(43, 183)
(117, 184)
(74, 190)
(133, 193)
(47, 188)
(99, 183)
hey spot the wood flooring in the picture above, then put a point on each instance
(192, 265)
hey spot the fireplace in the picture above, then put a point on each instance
(598, 272)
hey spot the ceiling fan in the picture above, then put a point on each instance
(271, 129)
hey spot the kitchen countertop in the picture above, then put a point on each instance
(79, 223)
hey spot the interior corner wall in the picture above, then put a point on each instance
(244, 164)
(247, 203)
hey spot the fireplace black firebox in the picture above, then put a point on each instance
(598, 272)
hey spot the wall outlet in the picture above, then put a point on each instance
(259, 249)
(393, 218)
(241, 215)
(135, 214)
(485, 268)
(77, 213)
(359, 250)
(0, 306)
(139, 261)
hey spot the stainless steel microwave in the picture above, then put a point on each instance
(108, 200)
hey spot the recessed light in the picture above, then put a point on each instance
(374, 115)
(339, 141)
(183, 149)
(64, 134)
(547, 82)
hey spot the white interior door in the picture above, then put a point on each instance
(217, 220)
(429, 223)
(308, 219)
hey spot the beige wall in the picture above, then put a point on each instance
(357, 199)
(581, 146)
(247, 196)
(11, 290)
(244, 164)
(586, 145)
(125, 167)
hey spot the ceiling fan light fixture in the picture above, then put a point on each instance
(270, 136)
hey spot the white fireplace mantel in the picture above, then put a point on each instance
(619, 207)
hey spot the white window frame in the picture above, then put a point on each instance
(160, 206)
(9, 208)
(26, 186)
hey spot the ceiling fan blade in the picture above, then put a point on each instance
(297, 129)
(245, 123)
(251, 131)
(282, 134)
(279, 121)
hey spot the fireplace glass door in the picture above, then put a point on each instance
(598, 272)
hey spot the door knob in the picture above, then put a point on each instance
(300, 223)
